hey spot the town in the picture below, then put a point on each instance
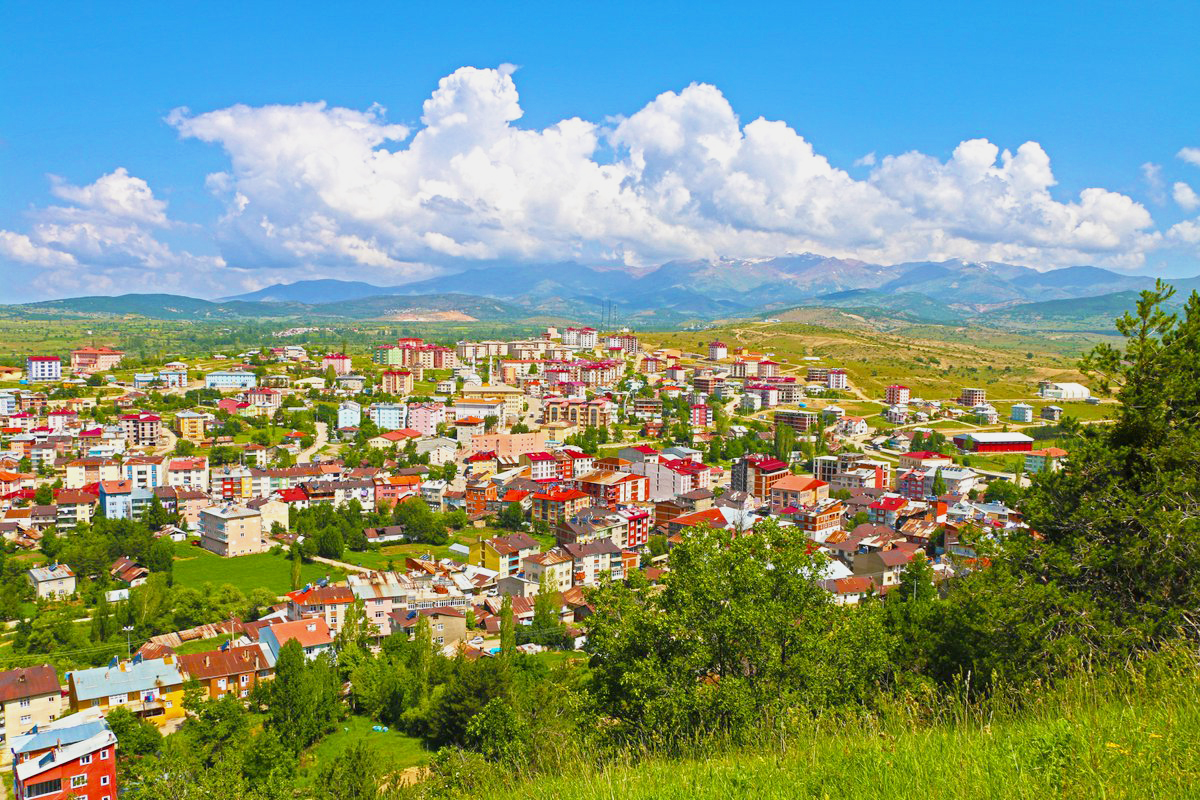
(196, 518)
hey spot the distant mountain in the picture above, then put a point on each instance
(448, 307)
(327, 290)
(675, 292)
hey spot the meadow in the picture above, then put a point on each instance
(195, 566)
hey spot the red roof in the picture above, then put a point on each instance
(543, 456)
(889, 504)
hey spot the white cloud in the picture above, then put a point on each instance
(1190, 154)
(109, 226)
(313, 190)
(1185, 196)
(1155, 186)
(318, 185)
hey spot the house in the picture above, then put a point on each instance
(555, 567)
(1050, 390)
(231, 530)
(542, 466)
(884, 565)
(503, 554)
(29, 697)
(191, 426)
(129, 572)
(72, 757)
(447, 626)
(327, 603)
(151, 688)
(1021, 412)
(797, 490)
(851, 590)
(53, 581)
(349, 414)
(1049, 459)
(230, 670)
(1052, 413)
(312, 634)
(339, 362)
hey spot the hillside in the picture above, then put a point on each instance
(1084, 741)
(434, 307)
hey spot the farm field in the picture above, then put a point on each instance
(196, 566)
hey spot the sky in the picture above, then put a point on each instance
(211, 149)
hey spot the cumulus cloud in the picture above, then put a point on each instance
(311, 190)
(110, 225)
(1185, 196)
(320, 185)
(1191, 155)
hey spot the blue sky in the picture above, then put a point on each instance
(1107, 91)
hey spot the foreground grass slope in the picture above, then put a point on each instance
(1139, 739)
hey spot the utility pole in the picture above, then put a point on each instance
(128, 642)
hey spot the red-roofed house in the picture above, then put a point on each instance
(557, 504)
(542, 466)
(798, 490)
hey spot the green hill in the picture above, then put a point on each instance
(1128, 736)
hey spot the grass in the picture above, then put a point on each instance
(262, 571)
(372, 559)
(393, 750)
(1134, 736)
(201, 645)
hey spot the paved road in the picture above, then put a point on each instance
(321, 439)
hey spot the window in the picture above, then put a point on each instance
(104, 755)
(85, 759)
(78, 781)
(45, 787)
(104, 780)
(116, 699)
(25, 702)
(26, 719)
(244, 679)
(220, 683)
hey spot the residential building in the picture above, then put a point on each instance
(583, 413)
(349, 414)
(555, 567)
(29, 697)
(1049, 459)
(312, 634)
(398, 382)
(340, 363)
(191, 426)
(230, 670)
(837, 379)
(328, 603)
(447, 626)
(1022, 412)
(897, 395)
(971, 397)
(74, 758)
(503, 554)
(144, 472)
(426, 417)
(151, 688)
(231, 530)
(756, 474)
(717, 351)
(43, 368)
(701, 415)
(794, 491)
(388, 416)
(84, 471)
(556, 504)
(543, 467)
(610, 489)
(53, 581)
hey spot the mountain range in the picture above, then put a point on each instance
(941, 291)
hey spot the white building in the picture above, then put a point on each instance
(388, 416)
(1022, 412)
(230, 379)
(349, 415)
(1063, 391)
(43, 368)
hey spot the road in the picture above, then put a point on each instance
(321, 439)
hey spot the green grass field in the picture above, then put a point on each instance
(394, 750)
(1139, 739)
(196, 566)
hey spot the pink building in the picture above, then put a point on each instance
(425, 417)
(339, 361)
(897, 395)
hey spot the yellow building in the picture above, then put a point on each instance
(151, 688)
(190, 426)
(512, 396)
(29, 696)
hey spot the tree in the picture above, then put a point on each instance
(511, 517)
(939, 484)
(302, 700)
(353, 775)
(43, 495)
(785, 443)
(500, 734)
(508, 636)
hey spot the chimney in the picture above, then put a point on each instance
(206, 661)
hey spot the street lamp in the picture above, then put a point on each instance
(128, 646)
